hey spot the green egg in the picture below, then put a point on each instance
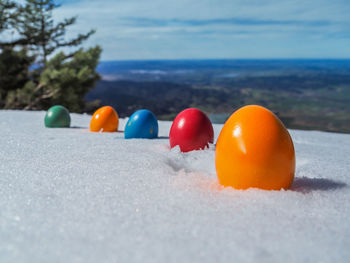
(57, 117)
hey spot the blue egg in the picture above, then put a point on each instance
(142, 124)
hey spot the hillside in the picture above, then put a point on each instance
(306, 94)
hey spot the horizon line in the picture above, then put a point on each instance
(203, 59)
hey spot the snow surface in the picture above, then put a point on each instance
(68, 195)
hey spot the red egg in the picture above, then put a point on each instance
(191, 130)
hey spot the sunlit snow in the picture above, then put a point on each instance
(69, 195)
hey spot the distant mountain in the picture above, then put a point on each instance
(162, 67)
(306, 94)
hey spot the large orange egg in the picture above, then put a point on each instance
(254, 149)
(105, 119)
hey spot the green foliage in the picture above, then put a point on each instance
(14, 71)
(64, 79)
(6, 13)
(37, 28)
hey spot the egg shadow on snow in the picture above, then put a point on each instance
(306, 184)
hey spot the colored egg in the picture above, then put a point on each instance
(57, 117)
(254, 149)
(141, 124)
(105, 119)
(191, 130)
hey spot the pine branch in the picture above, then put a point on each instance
(12, 44)
(77, 41)
(40, 98)
(6, 14)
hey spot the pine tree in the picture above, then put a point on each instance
(64, 79)
(6, 13)
(14, 71)
(42, 35)
(10, 13)
(14, 64)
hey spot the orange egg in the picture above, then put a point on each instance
(254, 149)
(105, 119)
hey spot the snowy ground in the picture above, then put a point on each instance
(68, 195)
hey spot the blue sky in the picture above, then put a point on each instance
(194, 29)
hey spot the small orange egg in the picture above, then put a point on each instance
(254, 149)
(105, 119)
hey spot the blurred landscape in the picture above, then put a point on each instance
(42, 63)
(305, 94)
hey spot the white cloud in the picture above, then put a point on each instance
(122, 39)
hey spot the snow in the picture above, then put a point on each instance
(68, 195)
